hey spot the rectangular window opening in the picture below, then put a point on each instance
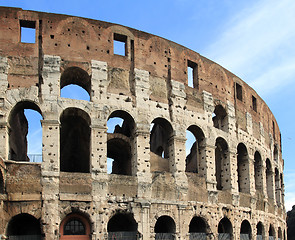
(254, 103)
(27, 31)
(120, 44)
(239, 92)
(192, 74)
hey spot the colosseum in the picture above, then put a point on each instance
(138, 179)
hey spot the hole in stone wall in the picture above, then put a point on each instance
(243, 168)
(165, 224)
(74, 92)
(225, 226)
(221, 160)
(198, 225)
(192, 74)
(28, 31)
(219, 118)
(120, 44)
(239, 92)
(254, 103)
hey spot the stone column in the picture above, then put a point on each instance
(50, 88)
(207, 169)
(4, 147)
(144, 228)
(50, 179)
(99, 80)
(251, 175)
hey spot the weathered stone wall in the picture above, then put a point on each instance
(148, 84)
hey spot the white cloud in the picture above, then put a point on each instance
(258, 44)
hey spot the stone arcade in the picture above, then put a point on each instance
(228, 186)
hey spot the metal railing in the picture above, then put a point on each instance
(37, 158)
(198, 236)
(25, 237)
(223, 236)
(164, 236)
(122, 236)
(259, 237)
(244, 236)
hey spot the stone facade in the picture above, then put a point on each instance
(230, 183)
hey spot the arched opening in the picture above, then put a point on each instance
(260, 231)
(222, 171)
(219, 118)
(245, 232)
(25, 132)
(194, 148)
(122, 226)
(275, 153)
(75, 83)
(75, 141)
(24, 226)
(121, 128)
(225, 229)
(258, 171)
(278, 186)
(271, 232)
(75, 227)
(198, 229)
(160, 145)
(243, 168)
(165, 228)
(2, 188)
(269, 179)
(279, 233)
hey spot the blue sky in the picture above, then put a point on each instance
(254, 39)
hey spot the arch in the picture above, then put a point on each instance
(269, 179)
(245, 232)
(197, 150)
(260, 232)
(220, 118)
(75, 226)
(277, 186)
(120, 144)
(243, 168)
(222, 173)
(258, 168)
(160, 138)
(19, 131)
(271, 232)
(280, 236)
(75, 141)
(225, 229)
(275, 153)
(198, 228)
(24, 225)
(2, 186)
(122, 226)
(165, 228)
(76, 76)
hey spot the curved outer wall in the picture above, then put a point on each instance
(149, 82)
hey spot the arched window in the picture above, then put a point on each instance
(160, 138)
(122, 226)
(269, 179)
(275, 153)
(75, 227)
(198, 228)
(278, 186)
(219, 118)
(75, 83)
(194, 148)
(280, 233)
(75, 141)
(258, 171)
(225, 229)
(222, 171)
(165, 228)
(271, 232)
(120, 144)
(2, 188)
(260, 231)
(245, 232)
(24, 226)
(25, 132)
(243, 168)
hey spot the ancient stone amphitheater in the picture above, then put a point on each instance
(137, 180)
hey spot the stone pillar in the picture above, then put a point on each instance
(144, 228)
(50, 88)
(251, 175)
(207, 169)
(249, 123)
(231, 118)
(99, 80)
(50, 179)
(233, 172)
(3, 75)
(4, 147)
